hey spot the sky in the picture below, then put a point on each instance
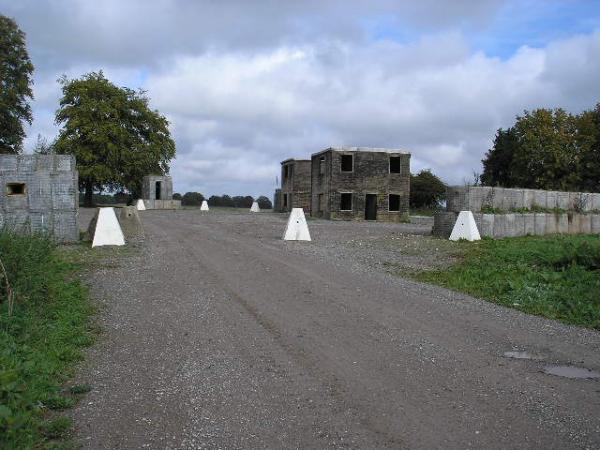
(247, 84)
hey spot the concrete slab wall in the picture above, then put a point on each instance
(48, 202)
(478, 198)
(512, 225)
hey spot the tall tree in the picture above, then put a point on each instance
(15, 86)
(588, 143)
(426, 190)
(497, 165)
(113, 133)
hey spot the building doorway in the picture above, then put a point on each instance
(371, 207)
(157, 189)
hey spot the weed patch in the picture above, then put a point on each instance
(552, 276)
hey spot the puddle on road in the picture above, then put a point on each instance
(571, 372)
(521, 355)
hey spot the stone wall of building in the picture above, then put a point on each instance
(150, 191)
(295, 184)
(369, 175)
(39, 194)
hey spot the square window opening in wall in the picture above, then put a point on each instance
(394, 164)
(394, 203)
(347, 163)
(16, 189)
(346, 201)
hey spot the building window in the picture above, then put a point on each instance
(285, 172)
(322, 165)
(15, 189)
(285, 200)
(347, 163)
(346, 201)
(394, 164)
(394, 203)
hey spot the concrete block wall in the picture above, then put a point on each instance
(513, 225)
(476, 198)
(49, 200)
(162, 204)
(296, 184)
(149, 191)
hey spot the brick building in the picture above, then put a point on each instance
(295, 185)
(39, 194)
(358, 183)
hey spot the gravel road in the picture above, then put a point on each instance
(219, 335)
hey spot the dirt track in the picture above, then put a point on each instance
(220, 335)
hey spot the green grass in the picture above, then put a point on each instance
(552, 276)
(41, 342)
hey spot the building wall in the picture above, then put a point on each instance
(295, 185)
(370, 175)
(49, 202)
(149, 187)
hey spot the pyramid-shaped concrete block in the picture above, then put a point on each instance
(140, 205)
(255, 207)
(297, 228)
(204, 206)
(105, 228)
(465, 228)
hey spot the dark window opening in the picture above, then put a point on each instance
(321, 165)
(394, 205)
(157, 189)
(15, 189)
(394, 164)
(285, 172)
(346, 202)
(346, 163)
(285, 200)
(371, 207)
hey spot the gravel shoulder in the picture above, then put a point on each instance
(218, 334)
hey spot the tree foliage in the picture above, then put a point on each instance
(114, 134)
(426, 190)
(264, 202)
(192, 199)
(547, 149)
(15, 86)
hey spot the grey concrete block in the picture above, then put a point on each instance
(487, 225)
(562, 200)
(528, 224)
(595, 219)
(595, 202)
(540, 224)
(518, 225)
(500, 226)
(552, 223)
(585, 223)
(540, 199)
(551, 199)
(562, 224)
(573, 223)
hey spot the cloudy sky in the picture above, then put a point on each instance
(249, 83)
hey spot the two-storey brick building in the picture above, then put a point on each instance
(295, 185)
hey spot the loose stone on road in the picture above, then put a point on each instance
(218, 334)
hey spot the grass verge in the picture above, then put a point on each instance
(41, 342)
(551, 276)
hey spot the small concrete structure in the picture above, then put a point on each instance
(157, 192)
(105, 228)
(295, 185)
(465, 228)
(358, 183)
(39, 194)
(204, 206)
(255, 207)
(130, 222)
(296, 228)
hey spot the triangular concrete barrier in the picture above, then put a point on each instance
(105, 229)
(204, 206)
(140, 205)
(465, 228)
(297, 228)
(255, 207)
